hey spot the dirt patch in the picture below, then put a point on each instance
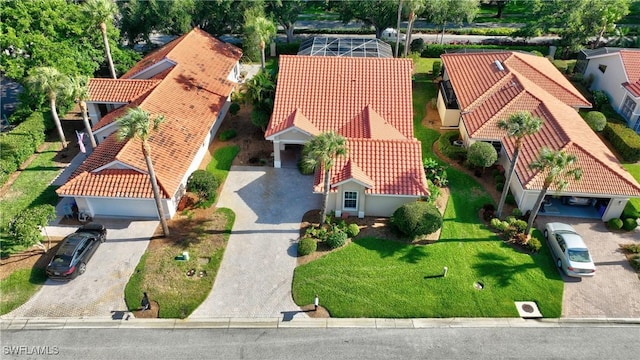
(32, 258)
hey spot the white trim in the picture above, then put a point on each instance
(116, 162)
(368, 186)
(162, 62)
(272, 136)
(344, 199)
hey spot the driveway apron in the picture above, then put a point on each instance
(615, 289)
(99, 292)
(256, 272)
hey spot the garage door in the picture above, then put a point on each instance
(124, 208)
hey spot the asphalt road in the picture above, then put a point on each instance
(338, 343)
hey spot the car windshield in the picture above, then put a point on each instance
(579, 255)
(61, 260)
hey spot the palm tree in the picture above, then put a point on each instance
(320, 153)
(398, 27)
(415, 6)
(559, 168)
(264, 29)
(77, 90)
(100, 12)
(135, 124)
(50, 82)
(518, 125)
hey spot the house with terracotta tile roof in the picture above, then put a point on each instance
(369, 102)
(617, 72)
(480, 89)
(189, 81)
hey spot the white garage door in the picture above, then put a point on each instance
(124, 208)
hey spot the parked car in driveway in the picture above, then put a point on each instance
(569, 250)
(75, 251)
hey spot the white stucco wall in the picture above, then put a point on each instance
(123, 207)
(385, 205)
(611, 80)
(448, 117)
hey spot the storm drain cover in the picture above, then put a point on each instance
(528, 309)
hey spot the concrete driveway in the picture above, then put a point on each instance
(255, 276)
(615, 289)
(99, 292)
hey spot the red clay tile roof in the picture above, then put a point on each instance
(334, 91)
(563, 128)
(118, 90)
(189, 96)
(631, 63)
(112, 183)
(368, 101)
(392, 167)
(476, 75)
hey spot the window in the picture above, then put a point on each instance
(602, 68)
(627, 108)
(350, 200)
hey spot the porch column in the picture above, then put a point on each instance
(276, 154)
(361, 203)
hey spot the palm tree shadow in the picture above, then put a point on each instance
(500, 268)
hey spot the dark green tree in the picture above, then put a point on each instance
(285, 12)
(482, 154)
(380, 14)
(441, 12)
(26, 227)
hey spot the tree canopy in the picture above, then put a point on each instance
(380, 14)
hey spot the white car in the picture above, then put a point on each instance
(390, 34)
(569, 250)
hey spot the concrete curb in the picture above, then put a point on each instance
(278, 323)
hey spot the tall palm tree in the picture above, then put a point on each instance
(559, 167)
(78, 91)
(320, 153)
(518, 125)
(415, 6)
(264, 29)
(100, 12)
(398, 27)
(50, 82)
(135, 124)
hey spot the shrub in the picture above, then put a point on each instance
(499, 178)
(495, 223)
(445, 143)
(635, 262)
(600, 98)
(416, 218)
(615, 224)
(624, 140)
(629, 224)
(434, 192)
(417, 45)
(482, 154)
(631, 248)
(336, 238)
(596, 120)
(352, 230)
(510, 199)
(516, 213)
(496, 172)
(204, 184)
(534, 245)
(304, 170)
(560, 65)
(20, 143)
(436, 67)
(227, 135)
(435, 172)
(319, 233)
(499, 186)
(537, 53)
(307, 246)
(234, 108)
(520, 225)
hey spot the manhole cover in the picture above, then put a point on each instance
(528, 308)
(478, 285)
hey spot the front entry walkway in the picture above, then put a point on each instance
(255, 276)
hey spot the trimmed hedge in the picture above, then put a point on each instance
(596, 120)
(445, 143)
(624, 140)
(336, 238)
(435, 50)
(20, 143)
(629, 224)
(417, 218)
(615, 224)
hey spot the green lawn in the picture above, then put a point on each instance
(221, 162)
(633, 206)
(18, 287)
(381, 278)
(31, 188)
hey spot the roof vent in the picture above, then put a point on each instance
(499, 65)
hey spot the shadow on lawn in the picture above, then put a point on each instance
(387, 248)
(499, 267)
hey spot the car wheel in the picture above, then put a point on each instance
(103, 239)
(559, 263)
(82, 268)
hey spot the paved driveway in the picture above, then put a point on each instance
(615, 289)
(100, 290)
(255, 276)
